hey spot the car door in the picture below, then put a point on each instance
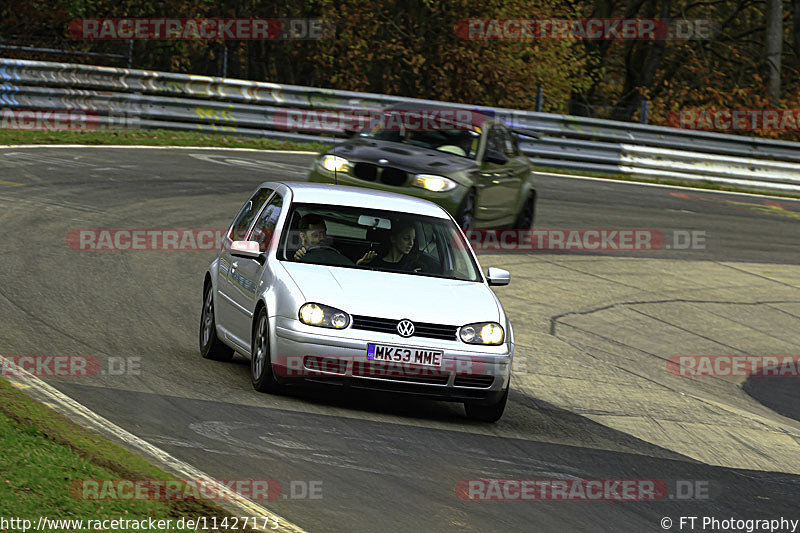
(247, 279)
(225, 306)
(495, 178)
(518, 168)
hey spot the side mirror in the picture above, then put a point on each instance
(495, 157)
(498, 276)
(246, 249)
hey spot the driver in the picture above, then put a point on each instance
(313, 233)
(314, 240)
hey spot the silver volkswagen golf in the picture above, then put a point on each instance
(357, 288)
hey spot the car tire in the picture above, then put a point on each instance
(466, 211)
(526, 213)
(261, 373)
(211, 347)
(486, 413)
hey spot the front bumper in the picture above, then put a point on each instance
(450, 200)
(307, 354)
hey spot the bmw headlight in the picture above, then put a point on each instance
(323, 316)
(334, 163)
(482, 333)
(433, 183)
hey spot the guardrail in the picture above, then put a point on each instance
(223, 105)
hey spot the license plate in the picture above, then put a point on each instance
(404, 354)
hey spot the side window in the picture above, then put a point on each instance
(495, 142)
(427, 239)
(247, 213)
(510, 146)
(264, 228)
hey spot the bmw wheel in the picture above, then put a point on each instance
(210, 345)
(261, 373)
(526, 213)
(466, 211)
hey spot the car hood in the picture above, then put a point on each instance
(396, 296)
(406, 157)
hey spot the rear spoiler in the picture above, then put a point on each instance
(527, 133)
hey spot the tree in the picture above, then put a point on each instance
(773, 49)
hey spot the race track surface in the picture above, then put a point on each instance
(592, 397)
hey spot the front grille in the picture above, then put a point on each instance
(319, 365)
(384, 325)
(365, 171)
(392, 373)
(421, 329)
(394, 176)
(474, 381)
(387, 175)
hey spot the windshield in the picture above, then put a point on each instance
(445, 136)
(377, 240)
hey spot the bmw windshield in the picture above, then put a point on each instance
(429, 131)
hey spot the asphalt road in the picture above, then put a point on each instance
(383, 462)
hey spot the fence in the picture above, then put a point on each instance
(222, 105)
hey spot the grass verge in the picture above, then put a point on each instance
(45, 458)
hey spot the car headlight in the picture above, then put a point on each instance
(433, 183)
(482, 333)
(334, 163)
(323, 316)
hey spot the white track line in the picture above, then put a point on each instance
(85, 417)
(144, 146)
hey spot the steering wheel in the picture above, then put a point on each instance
(323, 247)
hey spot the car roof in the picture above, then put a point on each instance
(330, 194)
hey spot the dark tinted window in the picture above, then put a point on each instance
(510, 145)
(495, 141)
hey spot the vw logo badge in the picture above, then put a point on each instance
(405, 328)
(383, 161)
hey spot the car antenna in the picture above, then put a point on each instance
(335, 176)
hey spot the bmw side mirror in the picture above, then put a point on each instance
(246, 249)
(495, 157)
(498, 276)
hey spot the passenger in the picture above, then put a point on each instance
(399, 257)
